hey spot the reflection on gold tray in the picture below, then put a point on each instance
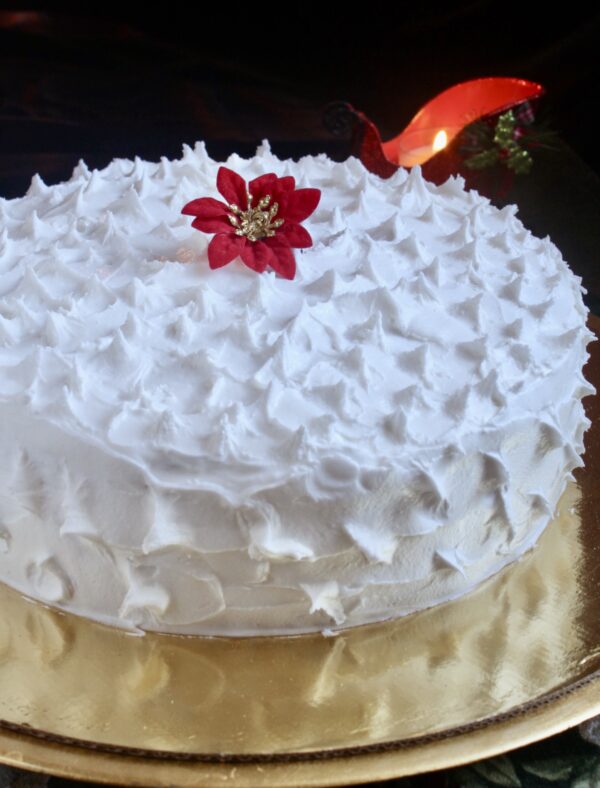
(512, 662)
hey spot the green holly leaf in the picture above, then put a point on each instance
(520, 162)
(552, 769)
(505, 129)
(498, 771)
(589, 777)
(482, 160)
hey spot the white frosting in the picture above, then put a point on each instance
(221, 451)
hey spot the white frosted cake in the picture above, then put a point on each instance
(229, 450)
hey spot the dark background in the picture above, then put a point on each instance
(96, 84)
(99, 84)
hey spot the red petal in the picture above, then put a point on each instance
(211, 215)
(257, 255)
(295, 235)
(284, 262)
(264, 184)
(205, 207)
(299, 204)
(219, 224)
(224, 248)
(233, 187)
(287, 183)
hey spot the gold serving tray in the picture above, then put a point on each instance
(513, 662)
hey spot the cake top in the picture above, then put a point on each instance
(419, 315)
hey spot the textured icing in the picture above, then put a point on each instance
(231, 452)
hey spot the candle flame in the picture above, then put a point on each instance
(440, 141)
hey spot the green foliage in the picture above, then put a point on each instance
(508, 140)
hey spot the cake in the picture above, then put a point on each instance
(227, 451)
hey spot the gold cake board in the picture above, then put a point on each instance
(513, 662)
(26, 752)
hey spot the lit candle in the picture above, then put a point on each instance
(418, 154)
(440, 140)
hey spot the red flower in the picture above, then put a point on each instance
(259, 222)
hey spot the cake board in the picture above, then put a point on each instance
(513, 662)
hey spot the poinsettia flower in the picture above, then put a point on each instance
(259, 222)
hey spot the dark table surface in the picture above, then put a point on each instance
(82, 86)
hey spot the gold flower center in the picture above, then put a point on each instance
(258, 222)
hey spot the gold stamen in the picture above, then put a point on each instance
(255, 223)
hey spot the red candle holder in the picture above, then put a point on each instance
(434, 126)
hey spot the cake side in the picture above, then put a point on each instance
(225, 452)
(274, 565)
